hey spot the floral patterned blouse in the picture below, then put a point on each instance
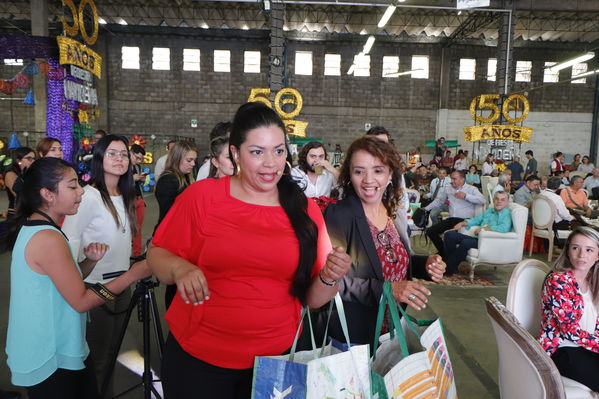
(562, 310)
(392, 253)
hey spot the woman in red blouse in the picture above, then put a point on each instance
(365, 223)
(569, 328)
(245, 253)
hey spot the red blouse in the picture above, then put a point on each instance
(249, 255)
(392, 253)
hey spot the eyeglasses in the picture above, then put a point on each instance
(117, 154)
(385, 241)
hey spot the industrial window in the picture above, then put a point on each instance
(251, 61)
(191, 59)
(492, 69)
(332, 64)
(13, 61)
(303, 63)
(523, 71)
(467, 69)
(362, 65)
(549, 75)
(390, 66)
(579, 69)
(130, 57)
(161, 58)
(222, 61)
(420, 66)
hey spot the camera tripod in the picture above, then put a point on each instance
(143, 297)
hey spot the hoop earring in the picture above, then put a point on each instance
(289, 165)
(237, 168)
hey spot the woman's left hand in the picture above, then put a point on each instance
(435, 267)
(337, 266)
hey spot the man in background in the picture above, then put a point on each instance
(161, 162)
(314, 173)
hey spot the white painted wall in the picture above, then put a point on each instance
(567, 132)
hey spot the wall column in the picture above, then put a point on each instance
(277, 76)
(39, 27)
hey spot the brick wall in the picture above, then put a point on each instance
(337, 107)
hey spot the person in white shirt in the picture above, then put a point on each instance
(437, 189)
(463, 199)
(106, 215)
(592, 182)
(504, 182)
(161, 162)
(461, 163)
(314, 174)
(562, 213)
(489, 165)
(221, 129)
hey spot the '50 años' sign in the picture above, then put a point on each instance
(284, 96)
(488, 102)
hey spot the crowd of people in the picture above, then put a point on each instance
(242, 224)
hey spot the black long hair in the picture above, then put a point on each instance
(302, 157)
(43, 173)
(17, 155)
(125, 185)
(295, 204)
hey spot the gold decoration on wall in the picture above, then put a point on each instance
(486, 102)
(503, 132)
(75, 53)
(513, 103)
(90, 40)
(70, 30)
(296, 99)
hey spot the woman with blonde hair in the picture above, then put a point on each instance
(570, 297)
(172, 182)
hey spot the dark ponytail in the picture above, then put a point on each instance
(43, 173)
(292, 199)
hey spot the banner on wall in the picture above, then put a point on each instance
(75, 53)
(503, 132)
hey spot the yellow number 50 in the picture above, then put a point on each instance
(78, 24)
(488, 102)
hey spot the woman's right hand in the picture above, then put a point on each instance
(411, 293)
(191, 284)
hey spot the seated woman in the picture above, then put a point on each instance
(498, 218)
(472, 177)
(569, 331)
(365, 224)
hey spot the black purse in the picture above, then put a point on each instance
(420, 217)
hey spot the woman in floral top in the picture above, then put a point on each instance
(569, 329)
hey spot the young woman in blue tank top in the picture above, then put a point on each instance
(46, 347)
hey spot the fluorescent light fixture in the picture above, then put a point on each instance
(267, 5)
(582, 75)
(101, 21)
(460, 12)
(573, 61)
(402, 1)
(368, 44)
(351, 69)
(394, 74)
(122, 22)
(386, 16)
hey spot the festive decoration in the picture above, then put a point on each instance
(500, 166)
(74, 53)
(484, 101)
(150, 179)
(14, 142)
(59, 122)
(56, 73)
(296, 99)
(1, 147)
(21, 80)
(86, 143)
(323, 202)
(504, 132)
(29, 100)
(507, 106)
(8, 87)
(44, 67)
(32, 69)
(83, 117)
(139, 140)
(284, 96)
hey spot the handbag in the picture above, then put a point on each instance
(315, 374)
(410, 368)
(420, 217)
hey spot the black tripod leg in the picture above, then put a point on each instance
(112, 363)
(147, 374)
(157, 324)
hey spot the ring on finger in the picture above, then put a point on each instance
(411, 297)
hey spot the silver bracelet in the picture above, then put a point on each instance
(325, 282)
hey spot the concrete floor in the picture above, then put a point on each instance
(469, 336)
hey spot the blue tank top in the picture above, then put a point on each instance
(44, 332)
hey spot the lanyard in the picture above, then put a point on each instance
(48, 221)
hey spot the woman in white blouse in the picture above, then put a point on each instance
(488, 165)
(106, 215)
(586, 165)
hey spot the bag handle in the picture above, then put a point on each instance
(395, 323)
(305, 313)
